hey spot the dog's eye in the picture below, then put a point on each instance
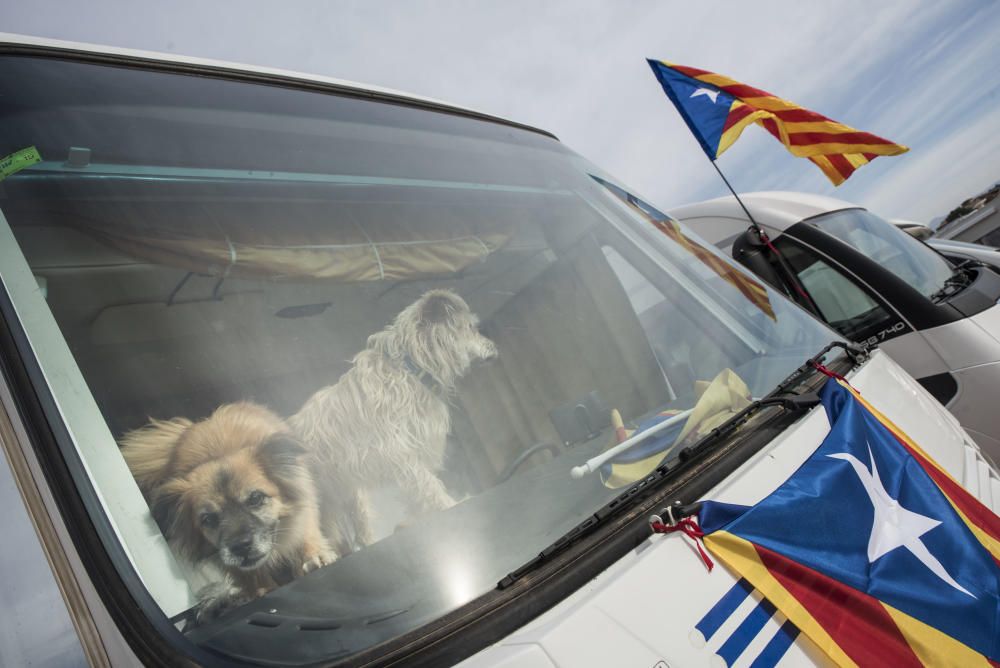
(209, 520)
(256, 498)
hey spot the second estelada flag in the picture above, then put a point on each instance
(717, 109)
(871, 549)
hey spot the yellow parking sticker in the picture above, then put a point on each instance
(15, 162)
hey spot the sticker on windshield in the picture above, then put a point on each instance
(17, 161)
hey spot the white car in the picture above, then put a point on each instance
(180, 234)
(962, 251)
(876, 285)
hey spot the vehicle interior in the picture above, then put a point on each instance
(161, 336)
(221, 255)
(154, 339)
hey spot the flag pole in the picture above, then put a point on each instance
(762, 235)
(757, 228)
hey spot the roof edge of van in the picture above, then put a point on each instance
(42, 46)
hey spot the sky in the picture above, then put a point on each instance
(923, 74)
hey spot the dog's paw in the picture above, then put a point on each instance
(324, 558)
(217, 599)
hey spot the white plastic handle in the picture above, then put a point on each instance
(595, 463)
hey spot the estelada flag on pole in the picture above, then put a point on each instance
(871, 549)
(717, 109)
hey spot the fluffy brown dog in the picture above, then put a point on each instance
(232, 490)
(387, 418)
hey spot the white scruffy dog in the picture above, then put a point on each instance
(387, 418)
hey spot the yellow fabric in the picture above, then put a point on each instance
(816, 126)
(741, 557)
(700, 387)
(933, 647)
(725, 396)
(856, 159)
(344, 244)
(730, 136)
(718, 401)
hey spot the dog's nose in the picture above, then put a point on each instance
(242, 548)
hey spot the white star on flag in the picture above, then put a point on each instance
(711, 94)
(895, 526)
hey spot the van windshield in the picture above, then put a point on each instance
(329, 361)
(910, 259)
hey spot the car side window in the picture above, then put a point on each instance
(844, 304)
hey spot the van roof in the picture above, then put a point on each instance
(776, 209)
(42, 46)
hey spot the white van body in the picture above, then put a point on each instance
(637, 614)
(967, 349)
(640, 610)
(959, 251)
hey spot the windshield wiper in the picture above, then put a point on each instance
(961, 276)
(952, 286)
(641, 489)
(968, 263)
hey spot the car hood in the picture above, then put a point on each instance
(643, 611)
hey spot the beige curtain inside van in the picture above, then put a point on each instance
(347, 242)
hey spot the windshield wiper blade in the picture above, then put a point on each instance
(638, 490)
(952, 286)
(962, 275)
(968, 263)
(942, 294)
(780, 396)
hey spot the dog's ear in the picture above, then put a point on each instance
(149, 449)
(166, 507)
(437, 308)
(281, 456)
(282, 449)
(177, 522)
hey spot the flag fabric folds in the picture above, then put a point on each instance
(718, 400)
(640, 461)
(871, 549)
(717, 109)
(753, 290)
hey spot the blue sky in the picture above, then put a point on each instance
(919, 73)
(931, 84)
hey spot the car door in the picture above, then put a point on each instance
(844, 301)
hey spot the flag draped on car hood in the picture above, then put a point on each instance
(717, 109)
(870, 548)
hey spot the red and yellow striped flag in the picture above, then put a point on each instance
(717, 109)
(747, 286)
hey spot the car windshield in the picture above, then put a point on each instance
(910, 259)
(329, 361)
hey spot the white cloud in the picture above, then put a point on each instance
(956, 166)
